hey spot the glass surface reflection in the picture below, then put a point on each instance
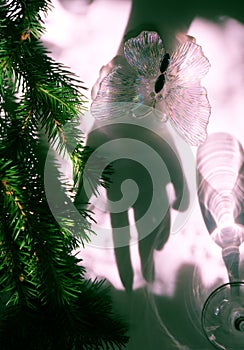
(220, 193)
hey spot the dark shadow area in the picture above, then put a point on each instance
(169, 18)
(146, 332)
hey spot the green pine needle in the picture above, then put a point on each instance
(45, 301)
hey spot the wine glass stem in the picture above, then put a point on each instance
(232, 265)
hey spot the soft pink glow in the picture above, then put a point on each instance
(223, 44)
(86, 41)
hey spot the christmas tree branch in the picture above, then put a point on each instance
(43, 293)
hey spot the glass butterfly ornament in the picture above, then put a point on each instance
(149, 78)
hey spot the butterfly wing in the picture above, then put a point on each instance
(121, 93)
(144, 53)
(128, 88)
(115, 89)
(184, 99)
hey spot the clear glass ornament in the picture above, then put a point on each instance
(220, 191)
(149, 77)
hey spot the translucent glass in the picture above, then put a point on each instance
(176, 93)
(223, 317)
(220, 191)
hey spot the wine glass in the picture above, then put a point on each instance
(220, 175)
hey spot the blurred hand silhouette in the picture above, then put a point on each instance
(143, 162)
(151, 152)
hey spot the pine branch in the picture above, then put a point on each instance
(53, 90)
(43, 294)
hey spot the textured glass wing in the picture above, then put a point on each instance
(188, 64)
(185, 101)
(144, 53)
(188, 111)
(122, 92)
(116, 87)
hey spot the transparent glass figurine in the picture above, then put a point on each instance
(147, 76)
(220, 170)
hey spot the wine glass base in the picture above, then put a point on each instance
(223, 317)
